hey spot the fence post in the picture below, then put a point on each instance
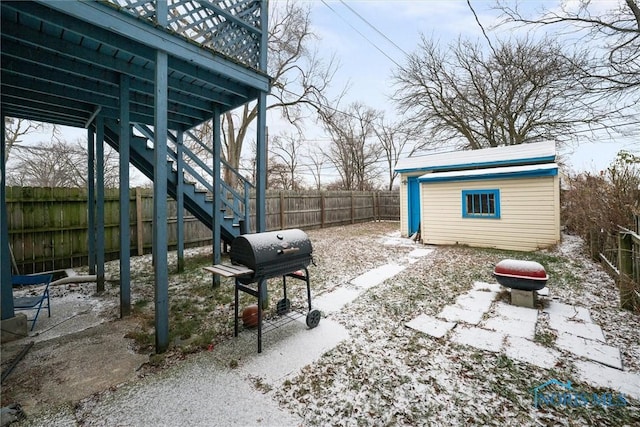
(353, 210)
(139, 222)
(625, 267)
(322, 209)
(281, 210)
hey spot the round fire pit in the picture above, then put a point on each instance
(519, 274)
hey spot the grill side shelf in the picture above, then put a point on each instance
(229, 270)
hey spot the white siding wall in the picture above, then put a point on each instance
(529, 210)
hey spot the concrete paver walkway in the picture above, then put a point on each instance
(478, 321)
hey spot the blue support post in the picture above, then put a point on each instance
(100, 240)
(217, 193)
(6, 307)
(125, 231)
(180, 201)
(160, 239)
(91, 199)
(261, 166)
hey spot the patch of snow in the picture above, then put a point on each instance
(544, 292)
(419, 253)
(598, 375)
(527, 351)
(197, 393)
(430, 325)
(478, 338)
(331, 302)
(484, 286)
(476, 301)
(516, 313)
(511, 327)
(568, 311)
(377, 275)
(286, 352)
(454, 313)
(589, 349)
(521, 268)
(582, 329)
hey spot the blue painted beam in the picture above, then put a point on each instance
(82, 62)
(180, 201)
(217, 193)
(160, 239)
(6, 290)
(125, 230)
(261, 161)
(261, 165)
(100, 239)
(128, 26)
(91, 199)
(71, 93)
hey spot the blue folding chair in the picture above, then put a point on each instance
(32, 302)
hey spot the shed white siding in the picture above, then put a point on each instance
(529, 214)
(404, 208)
(404, 202)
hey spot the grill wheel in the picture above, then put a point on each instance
(313, 318)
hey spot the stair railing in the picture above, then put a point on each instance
(234, 202)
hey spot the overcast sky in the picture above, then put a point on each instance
(370, 38)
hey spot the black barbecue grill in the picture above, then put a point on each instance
(257, 257)
(271, 254)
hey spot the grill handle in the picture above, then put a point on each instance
(288, 251)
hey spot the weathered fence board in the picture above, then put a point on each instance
(48, 226)
(621, 257)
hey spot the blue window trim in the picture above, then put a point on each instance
(487, 192)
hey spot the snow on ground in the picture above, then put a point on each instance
(389, 374)
(378, 371)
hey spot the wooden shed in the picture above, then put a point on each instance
(502, 197)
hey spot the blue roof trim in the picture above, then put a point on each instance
(532, 160)
(503, 175)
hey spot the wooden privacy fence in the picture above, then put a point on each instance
(48, 226)
(622, 259)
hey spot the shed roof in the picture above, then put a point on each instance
(547, 169)
(511, 155)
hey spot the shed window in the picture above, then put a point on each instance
(481, 203)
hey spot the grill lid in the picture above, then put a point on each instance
(272, 253)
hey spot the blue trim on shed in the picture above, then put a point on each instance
(481, 165)
(502, 175)
(413, 203)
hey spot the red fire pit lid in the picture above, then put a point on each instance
(520, 269)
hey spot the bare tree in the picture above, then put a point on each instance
(16, 129)
(316, 159)
(57, 164)
(610, 40)
(397, 140)
(521, 91)
(612, 37)
(285, 151)
(300, 79)
(354, 150)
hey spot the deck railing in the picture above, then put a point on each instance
(230, 27)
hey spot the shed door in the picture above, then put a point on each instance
(413, 204)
